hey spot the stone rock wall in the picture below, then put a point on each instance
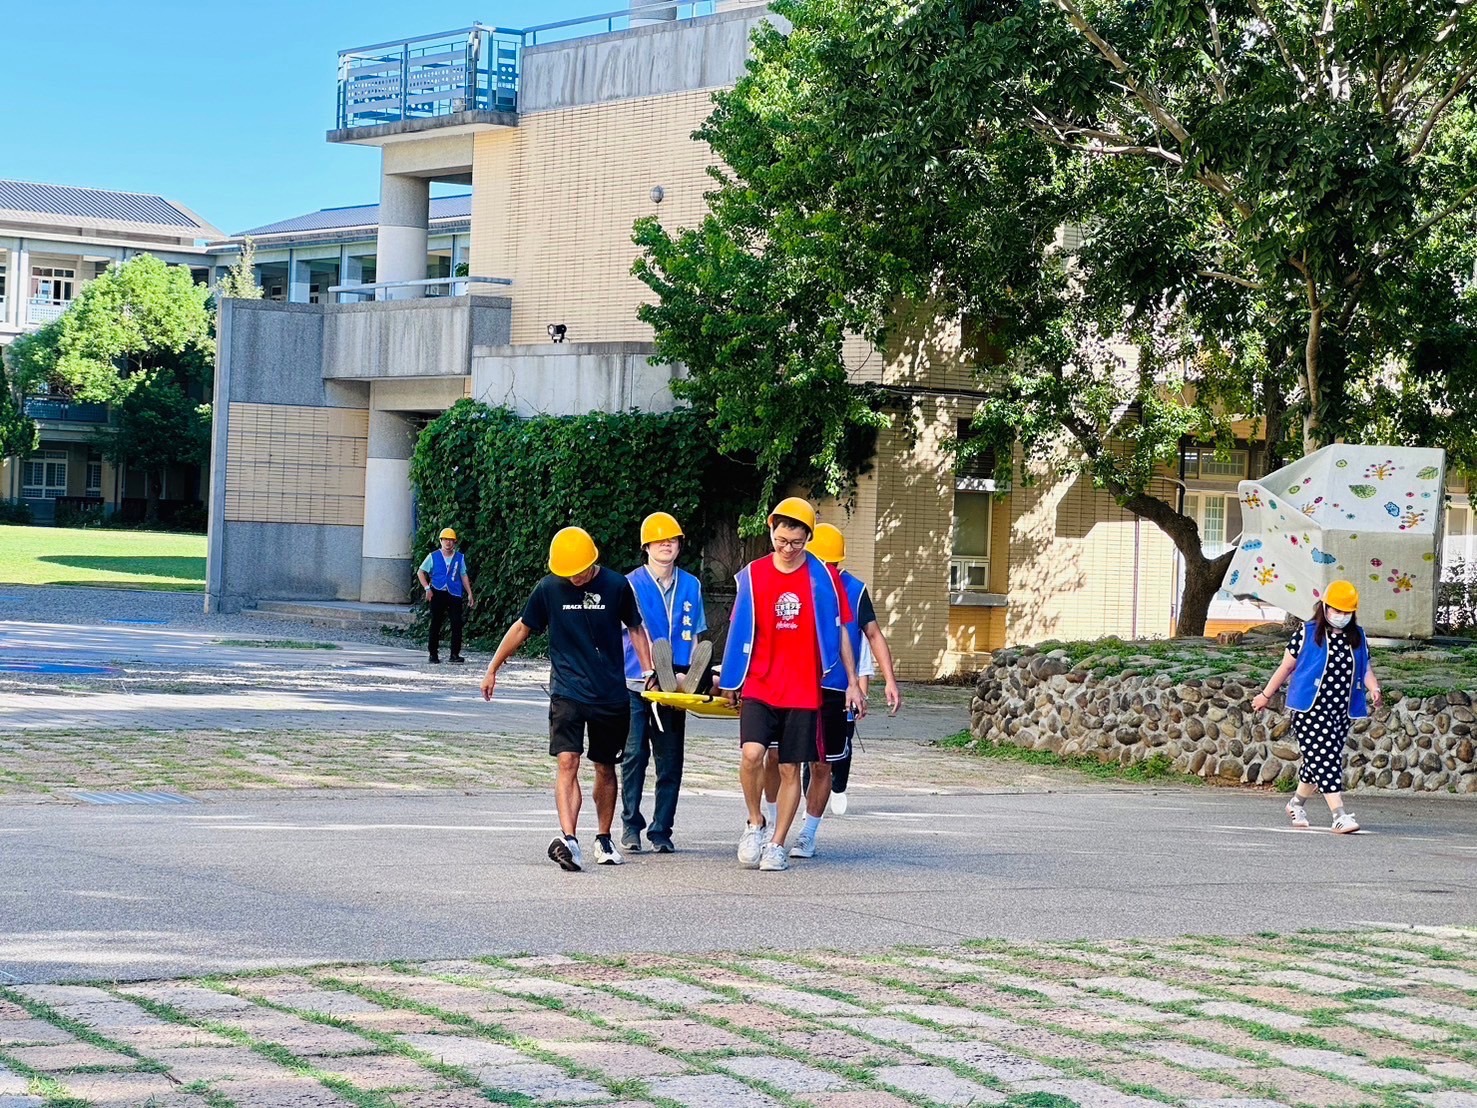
(1206, 726)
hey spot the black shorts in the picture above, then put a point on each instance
(791, 730)
(608, 725)
(834, 744)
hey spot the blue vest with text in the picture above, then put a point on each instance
(1307, 677)
(677, 615)
(446, 576)
(739, 651)
(835, 677)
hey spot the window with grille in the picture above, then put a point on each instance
(44, 476)
(1205, 465)
(50, 285)
(94, 475)
(969, 568)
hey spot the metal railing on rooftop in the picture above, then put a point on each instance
(65, 411)
(455, 286)
(475, 68)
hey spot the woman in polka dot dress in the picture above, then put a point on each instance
(1332, 684)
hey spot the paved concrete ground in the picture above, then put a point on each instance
(1377, 1017)
(241, 883)
(360, 809)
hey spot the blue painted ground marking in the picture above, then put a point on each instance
(134, 798)
(73, 668)
(139, 622)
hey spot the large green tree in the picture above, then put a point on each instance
(1268, 210)
(138, 338)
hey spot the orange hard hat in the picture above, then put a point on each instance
(796, 508)
(571, 552)
(1343, 596)
(659, 526)
(828, 544)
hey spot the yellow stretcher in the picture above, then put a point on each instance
(699, 704)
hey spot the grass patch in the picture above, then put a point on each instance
(1156, 767)
(158, 560)
(1371, 993)
(278, 644)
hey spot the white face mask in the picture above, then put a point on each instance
(1337, 619)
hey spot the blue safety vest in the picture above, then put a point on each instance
(677, 615)
(835, 677)
(447, 576)
(1307, 677)
(741, 633)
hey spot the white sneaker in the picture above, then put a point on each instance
(774, 857)
(838, 804)
(1298, 813)
(750, 848)
(1342, 825)
(804, 846)
(605, 852)
(565, 850)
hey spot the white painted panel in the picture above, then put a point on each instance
(388, 518)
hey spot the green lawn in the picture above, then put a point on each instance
(107, 559)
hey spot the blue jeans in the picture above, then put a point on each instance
(666, 745)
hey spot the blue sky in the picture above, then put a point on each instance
(219, 106)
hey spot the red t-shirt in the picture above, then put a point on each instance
(785, 665)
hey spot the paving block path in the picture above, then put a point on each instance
(1383, 1017)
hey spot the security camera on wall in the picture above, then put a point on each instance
(557, 331)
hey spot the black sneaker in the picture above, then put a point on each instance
(433, 660)
(458, 660)
(566, 851)
(661, 844)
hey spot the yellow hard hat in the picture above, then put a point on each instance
(796, 508)
(659, 526)
(571, 552)
(1343, 596)
(828, 544)
(448, 533)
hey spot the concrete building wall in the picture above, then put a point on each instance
(288, 453)
(1081, 567)
(654, 60)
(571, 378)
(410, 338)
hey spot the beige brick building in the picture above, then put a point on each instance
(564, 144)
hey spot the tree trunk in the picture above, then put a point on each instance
(1203, 578)
(153, 482)
(1202, 575)
(1274, 403)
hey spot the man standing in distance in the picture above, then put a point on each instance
(444, 577)
(786, 632)
(829, 545)
(583, 606)
(671, 602)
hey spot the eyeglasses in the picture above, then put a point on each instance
(790, 544)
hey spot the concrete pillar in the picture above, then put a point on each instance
(387, 571)
(350, 272)
(405, 219)
(299, 279)
(18, 287)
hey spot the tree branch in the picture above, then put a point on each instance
(1297, 71)
(1220, 276)
(1463, 79)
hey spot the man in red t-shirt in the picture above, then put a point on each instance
(786, 631)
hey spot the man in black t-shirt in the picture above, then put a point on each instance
(584, 607)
